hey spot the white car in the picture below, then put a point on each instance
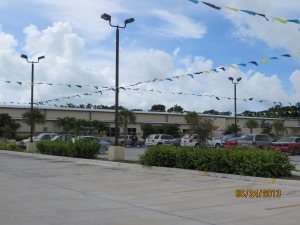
(189, 140)
(214, 142)
(158, 139)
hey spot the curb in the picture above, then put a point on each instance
(162, 169)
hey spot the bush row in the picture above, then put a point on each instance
(78, 149)
(4, 145)
(241, 161)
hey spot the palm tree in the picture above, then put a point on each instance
(100, 126)
(278, 127)
(126, 117)
(37, 116)
(251, 123)
(67, 123)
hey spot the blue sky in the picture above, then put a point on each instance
(169, 42)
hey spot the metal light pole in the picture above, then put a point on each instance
(32, 83)
(235, 83)
(130, 20)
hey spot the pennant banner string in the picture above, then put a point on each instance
(263, 101)
(189, 75)
(249, 12)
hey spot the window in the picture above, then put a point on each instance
(261, 138)
(131, 130)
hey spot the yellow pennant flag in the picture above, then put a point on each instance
(264, 60)
(230, 8)
(280, 19)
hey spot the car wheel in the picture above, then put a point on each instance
(102, 150)
(295, 151)
(158, 144)
(218, 146)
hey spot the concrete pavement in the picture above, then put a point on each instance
(40, 189)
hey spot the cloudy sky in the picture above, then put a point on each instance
(176, 52)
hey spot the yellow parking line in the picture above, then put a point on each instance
(282, 207)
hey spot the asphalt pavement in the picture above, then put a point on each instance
(42, 190)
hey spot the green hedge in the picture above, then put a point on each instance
(78, 149)
(12, 146)
(241, 161)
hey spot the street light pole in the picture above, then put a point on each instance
(130, 20)
(235, 83)
(32, 83)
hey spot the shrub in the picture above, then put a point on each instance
(5, 145)
(241, 161)
(78, 149)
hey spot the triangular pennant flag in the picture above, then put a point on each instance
(280, 19)
(230, 8)
(212, 5)
(253, 62)
(249, 12)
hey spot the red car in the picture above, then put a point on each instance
(230, 143)
(287, 144)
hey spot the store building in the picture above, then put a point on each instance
(157, 119)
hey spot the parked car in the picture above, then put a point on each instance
(287, 144)
(262, 141)
(214, 142)
(229, 136)
(158, 139)
(40, 137)
(175, 141)
(104, 145)
(63, 137)
(189, 140)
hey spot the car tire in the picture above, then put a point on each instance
(217, 146)
(295, 151)
(159, 143)
(102, 150)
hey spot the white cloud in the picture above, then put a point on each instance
(273, 33)
(78, 51)
(177, 25)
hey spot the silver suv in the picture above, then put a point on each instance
(158, 139)
(256, 140)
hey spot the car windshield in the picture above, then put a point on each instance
(286, 139)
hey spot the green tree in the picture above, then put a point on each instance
(251, 123)
(67, 123)
(278, 127)
(172, 129)
(199, 125)
(175, 108)
(204, 129)
(192, 119)
(266, 128)
(148, 129)
(37, 116)
(159, 108)
(232, 129)
(8, 126)
(100, 126)
(126, 117)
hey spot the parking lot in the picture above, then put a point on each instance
(39, 189)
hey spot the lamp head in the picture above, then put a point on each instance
(105, 16)
(41, 57)
(230, 78)
(238, 79)
(24, 56)
(130, 20)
